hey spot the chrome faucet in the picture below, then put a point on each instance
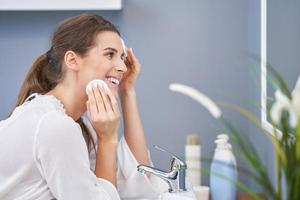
(175, 178)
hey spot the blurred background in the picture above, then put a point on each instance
(206, 44)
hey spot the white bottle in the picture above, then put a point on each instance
(223, 171)
(193, 159)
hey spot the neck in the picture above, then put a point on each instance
(73, 102)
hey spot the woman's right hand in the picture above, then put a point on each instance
(103, 112)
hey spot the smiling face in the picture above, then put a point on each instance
(104, 61)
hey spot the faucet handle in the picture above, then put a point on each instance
(175, 162)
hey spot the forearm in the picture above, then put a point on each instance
(133, 128)
(106, 161)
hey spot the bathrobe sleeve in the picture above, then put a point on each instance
(62, 158)
(131, 184)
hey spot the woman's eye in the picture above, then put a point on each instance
(110, 55)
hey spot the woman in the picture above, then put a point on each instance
(48, 150)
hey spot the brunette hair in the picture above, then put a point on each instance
(77, 34)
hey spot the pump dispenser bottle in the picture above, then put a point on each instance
(223, 171)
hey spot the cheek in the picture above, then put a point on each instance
(101, 67)
(86, 75)
(96, 69)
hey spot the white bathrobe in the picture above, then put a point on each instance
(43, 156)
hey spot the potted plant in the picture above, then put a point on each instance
(285, 116)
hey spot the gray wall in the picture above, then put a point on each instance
(283, 38)
(202, 43)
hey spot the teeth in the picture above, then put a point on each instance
(114, 81)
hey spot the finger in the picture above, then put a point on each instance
(92, 103)
(98, 99)
(105, 100)
(127, 62)
(113, 102)
(133, 60)
(129, 56)
(108, 104)
(127, 59)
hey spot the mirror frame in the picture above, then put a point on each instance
(263, 68)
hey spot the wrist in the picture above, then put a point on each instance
(107, 141)
(107, 144)
(128, 93)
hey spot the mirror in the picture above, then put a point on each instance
(280, 47)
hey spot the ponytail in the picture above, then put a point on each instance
(41, 80)
(35, 80)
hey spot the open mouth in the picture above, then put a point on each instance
(113, 80)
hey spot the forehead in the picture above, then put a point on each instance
(106, 39)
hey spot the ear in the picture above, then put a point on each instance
(72, 60)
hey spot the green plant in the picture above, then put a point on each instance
(285, 115)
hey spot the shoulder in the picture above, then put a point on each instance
(56, 133)
(57, 120)
(55, 125)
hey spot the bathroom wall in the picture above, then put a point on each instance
(203, 43)
(283, 41)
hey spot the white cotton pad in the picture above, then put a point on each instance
(99, 82)
(124, 47)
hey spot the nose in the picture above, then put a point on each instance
(121, 66)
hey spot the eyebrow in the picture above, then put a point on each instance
(114, 50)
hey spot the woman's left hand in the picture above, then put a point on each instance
(133, 70)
